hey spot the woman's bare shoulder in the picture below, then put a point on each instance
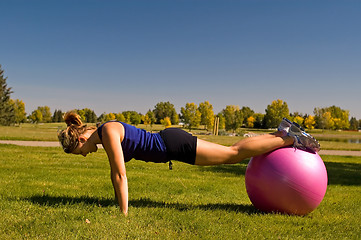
(113, 128)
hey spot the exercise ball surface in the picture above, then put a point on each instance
(286, 180)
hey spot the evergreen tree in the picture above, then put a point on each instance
(354, 124)
(57, 116)
(7, 112)
(90, 116)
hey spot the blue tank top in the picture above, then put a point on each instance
(141, 145)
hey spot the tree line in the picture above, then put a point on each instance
(192, 116)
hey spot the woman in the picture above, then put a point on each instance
(122, 142)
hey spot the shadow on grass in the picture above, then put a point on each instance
(55, 201)
(47, 200)
(236, 169)
(229, 207)
(346, 173)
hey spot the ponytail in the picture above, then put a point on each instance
(72, 118)
(69, 137)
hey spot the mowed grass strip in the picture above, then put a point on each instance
(31, 132)
(45, 131)
(47, 194)
(329, 140)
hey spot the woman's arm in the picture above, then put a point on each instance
(120, 184)
(115, 192)
(112, 135)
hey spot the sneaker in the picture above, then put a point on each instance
(303, 140)
(284, 126)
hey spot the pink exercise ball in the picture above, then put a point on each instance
(286, 180)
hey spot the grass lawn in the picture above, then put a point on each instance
(46, 194)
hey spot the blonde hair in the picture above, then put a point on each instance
(69, 137)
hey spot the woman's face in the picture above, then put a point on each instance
(84, 147)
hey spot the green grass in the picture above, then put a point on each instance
(46, 194)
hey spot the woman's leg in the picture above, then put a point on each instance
(214, 154)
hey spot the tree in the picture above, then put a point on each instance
(126, 115)
(119, 117)
(45, 111)
(354, 125)
(166, 122)
(250, 122)
(42, 114)
(229, 114)
(132, 117)
(320, 121)
(258, 123)
(7, 111)
(299, 120)
(233, 117)
(57, 116)
(149, 119)
(329, 123)
(275, 112)
(309, 122)
(207, 114)
(340, 117)
(101, 118)
(165, 109)
(109, 117)
(136, 118)
(191, 116)
(89, 115)
(19, 108)
(146, 120)
(36, 116)
(247, 113)
(332, 118)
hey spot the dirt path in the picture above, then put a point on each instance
(31, 143)
(56, 144)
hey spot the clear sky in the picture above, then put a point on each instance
(112, 56)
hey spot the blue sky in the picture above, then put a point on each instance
(113, 56)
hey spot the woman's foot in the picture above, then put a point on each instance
(303, 140)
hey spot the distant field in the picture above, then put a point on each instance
(31, 132)
(44, 132)
(331, 140)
